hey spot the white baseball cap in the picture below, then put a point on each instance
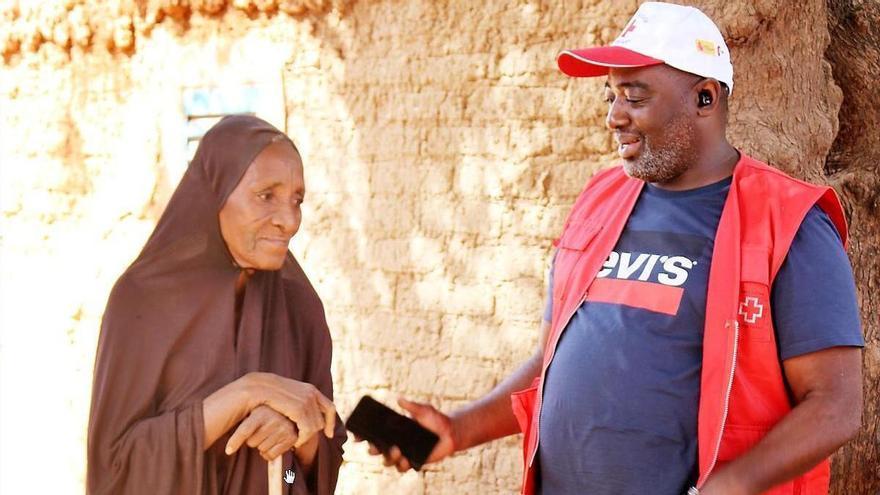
(659, 33)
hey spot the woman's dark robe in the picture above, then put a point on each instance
(169, 339)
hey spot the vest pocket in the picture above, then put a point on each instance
(738, 439)
(577, 235)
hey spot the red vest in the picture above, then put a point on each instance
(742, 389)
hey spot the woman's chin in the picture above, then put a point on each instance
(266, 261)
(271, 266)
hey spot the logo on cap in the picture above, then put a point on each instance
(707, 47)
(629, 28)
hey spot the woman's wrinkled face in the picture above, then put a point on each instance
(263, 211)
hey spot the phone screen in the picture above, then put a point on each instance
(384, 428)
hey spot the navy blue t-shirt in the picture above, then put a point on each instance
(620, 400)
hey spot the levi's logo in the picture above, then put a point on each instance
(669, 270)
(648, 281)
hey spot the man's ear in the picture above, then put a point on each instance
(708, 94)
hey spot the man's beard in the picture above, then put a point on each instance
(668, 160)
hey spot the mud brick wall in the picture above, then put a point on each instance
(442, 150)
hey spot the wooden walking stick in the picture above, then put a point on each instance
(275, 480)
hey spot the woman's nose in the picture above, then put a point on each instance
(287, 219)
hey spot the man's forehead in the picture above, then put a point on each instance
(626, 84)
(645, 77)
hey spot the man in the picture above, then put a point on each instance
(701, 332)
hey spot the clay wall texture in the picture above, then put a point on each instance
(442, 150)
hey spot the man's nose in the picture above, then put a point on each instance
(617, 116)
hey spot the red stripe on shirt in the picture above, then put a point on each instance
(645, 295)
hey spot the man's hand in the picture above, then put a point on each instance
(432, 419)
(266, 430)
(481, 421)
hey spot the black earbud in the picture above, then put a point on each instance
(705, 99)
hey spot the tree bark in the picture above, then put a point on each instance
(852, 167)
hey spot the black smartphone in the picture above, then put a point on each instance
(384, 428)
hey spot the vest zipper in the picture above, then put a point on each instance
(544, 369)
(726, 403)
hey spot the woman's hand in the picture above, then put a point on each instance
(300, 402)
(266, 430)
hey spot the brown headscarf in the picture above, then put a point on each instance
(168, 340)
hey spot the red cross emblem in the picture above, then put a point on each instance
(751, 309)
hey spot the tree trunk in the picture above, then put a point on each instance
(852, 167)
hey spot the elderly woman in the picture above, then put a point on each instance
(214, 354)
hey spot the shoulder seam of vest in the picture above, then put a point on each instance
(765, 167)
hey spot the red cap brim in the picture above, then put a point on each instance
(591, 62)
